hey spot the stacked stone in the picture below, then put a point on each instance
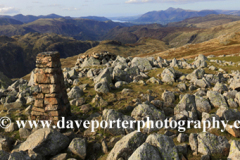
(51, 101)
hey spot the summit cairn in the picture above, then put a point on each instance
(51, 100)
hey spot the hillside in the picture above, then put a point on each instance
(206, 21)
(171, 15)
(222, 45)
(178, 39)
(81, 29)
(9, 21)
(30, 18)
(133, 33)
(173, 36)
(143, 46)
(18, 53)
(96, 18)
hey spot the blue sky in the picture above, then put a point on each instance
(108, 8)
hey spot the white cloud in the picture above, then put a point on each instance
(71, 9)
(132, 1)
(52, 5)
(167, 1)
(8, 10)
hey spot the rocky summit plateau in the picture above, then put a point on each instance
(105, 86)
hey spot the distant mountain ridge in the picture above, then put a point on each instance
(81, 29)
(172, 15)
(30, 18)
(96, 18)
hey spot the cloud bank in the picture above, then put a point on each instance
(8, 10)
(167, 1)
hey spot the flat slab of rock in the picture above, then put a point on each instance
(211, 144)
(146, 151)
(126, 146)
(45, 142)
(78, 146)
(165, 146)
(234, 153)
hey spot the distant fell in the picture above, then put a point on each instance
(96, 18)
(9, 21)
(171, 15)
(31, 18)
(208, 21)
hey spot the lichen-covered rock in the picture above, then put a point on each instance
(228, 114)
(144, 152)
(90, 62)
(237, 98)
(220, 87)
(75, 92)
(104, 74)
(193, 142)
(31, 81)
(187, 103)
(120, 61)
(112, 115)
(165, 146)
(126, 146)
(235, 83)
(119, 84)
(201, 61)
(234, 153)
(235, 132)
(19, 156)
(174, 63)
(147, 110)
(62, 156)
(5, 143)
(232, 103)
(202, 104)
(45, 142)
(103, 86)
(209, 117)
(153, 80)
(202, 83)
(78, 146)
(142, 63)
(125, 75)
(182, 87)
(168, 98)
(211, 144)
(144, 111)
(196, 74)
(24, 132)
(4, 155)
(168, 75)
(216, 99)
(182, 138)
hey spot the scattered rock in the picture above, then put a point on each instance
(45, 142)
(78, 146)
(165, 146)
(126, 146)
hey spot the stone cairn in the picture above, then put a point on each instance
(51, 100)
